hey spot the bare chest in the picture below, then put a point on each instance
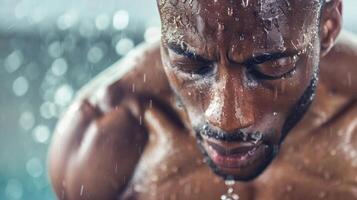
(321, 166)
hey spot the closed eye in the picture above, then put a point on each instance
(273, 67)
(193, 67)
(187, 61)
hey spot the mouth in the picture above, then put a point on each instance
(233, 154)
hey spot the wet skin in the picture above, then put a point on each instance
(234, 80)
(226, 63)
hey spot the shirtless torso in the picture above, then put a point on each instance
(124, 137)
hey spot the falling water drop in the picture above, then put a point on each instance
(140, 120)
(162, 3)
(144, 78)
(81, 192)
(230, 11)
(133, 88)
(150, 103)
(245, 3)
(230, 195)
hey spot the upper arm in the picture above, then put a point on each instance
(65, 143)
(94, 155)
(98, 141)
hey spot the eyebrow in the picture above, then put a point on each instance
(184, 51)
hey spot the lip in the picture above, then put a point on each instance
(233, 155)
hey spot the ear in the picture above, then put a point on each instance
(331, 23)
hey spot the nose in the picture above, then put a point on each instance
(231, 105)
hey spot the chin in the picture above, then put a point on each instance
(242, 166)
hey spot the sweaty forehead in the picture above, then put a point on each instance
(199, 21)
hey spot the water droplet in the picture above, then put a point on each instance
(221, 27)
(144, 78)
(140, 120)
(179, 105)
(81, 192)
(230, 195)
(162, 3)
(289, 188)
(230, 182)
(133, 88)
(245, 3)
(230, 11)
(257, 137)
(251, 152)
(150, 103)
(333, 152)
(322, 195)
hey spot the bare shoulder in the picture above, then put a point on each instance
(322, 165)
(97, 130)
(138, 73)
(339, 67)
(333, 148)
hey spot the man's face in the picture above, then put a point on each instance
(245, 72)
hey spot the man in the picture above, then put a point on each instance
(234, 77)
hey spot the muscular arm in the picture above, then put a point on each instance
(99, 141)
(93, 155)
(339, 67)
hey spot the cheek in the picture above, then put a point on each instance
(193, 94)
(281, 96)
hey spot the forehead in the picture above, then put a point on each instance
(231, 21)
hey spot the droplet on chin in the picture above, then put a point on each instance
(257, 137)
(230, 195)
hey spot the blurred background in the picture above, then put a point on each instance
(48, 50)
